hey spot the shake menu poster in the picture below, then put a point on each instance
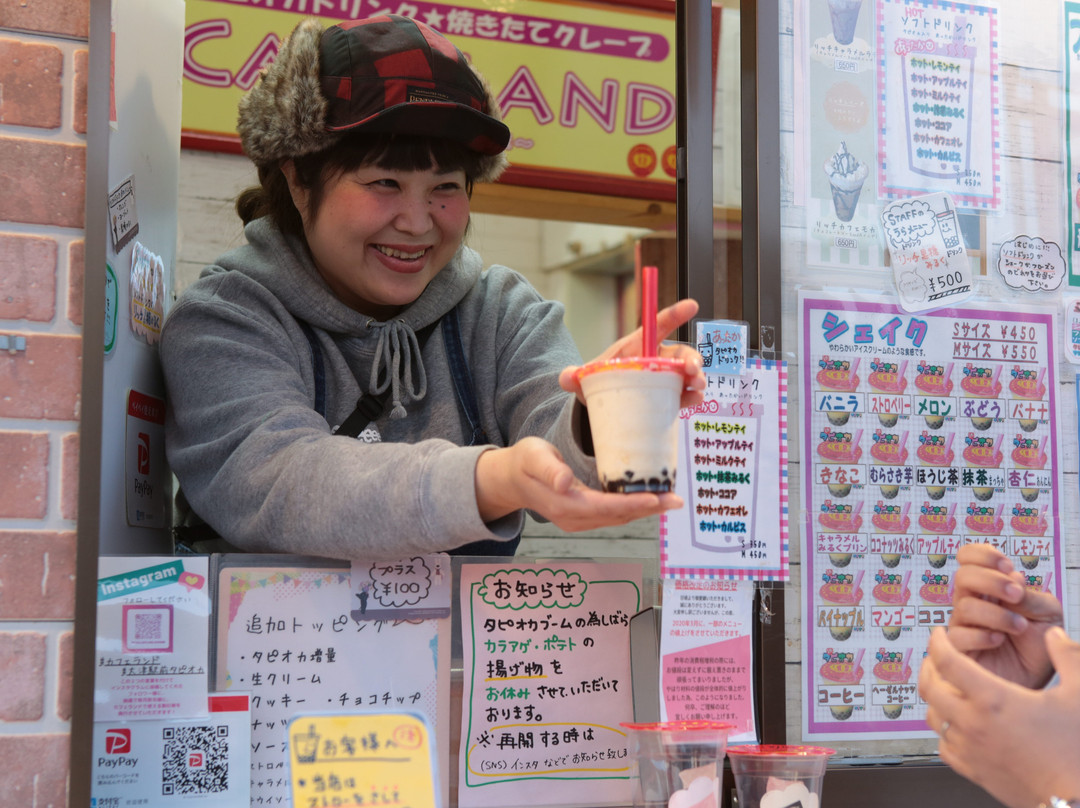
(921, 432)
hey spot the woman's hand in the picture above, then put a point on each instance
(667, 322)
(531, 474)
(1019, 744)
(998, 621)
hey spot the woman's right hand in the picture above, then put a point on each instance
(532, 475)
(1000, 622)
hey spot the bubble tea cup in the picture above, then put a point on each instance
(633, 408)
(680, 764)
(778, 776)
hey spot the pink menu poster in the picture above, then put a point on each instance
(921, 433)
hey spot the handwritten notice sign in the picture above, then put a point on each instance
(285, 634)
(547, 683)
(733, 452)
(722, 344)
(415, 588)
(153, 623)
(938, 89)
(1029, 263)
(706, 662)
(123, 215)
(928, 260)
(947, 435)
(361, 760)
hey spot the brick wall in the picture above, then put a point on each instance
(43, 61)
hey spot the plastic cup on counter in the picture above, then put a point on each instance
(679, 763)
(778, 776)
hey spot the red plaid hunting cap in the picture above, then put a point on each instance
(395, 74)
(381, 74)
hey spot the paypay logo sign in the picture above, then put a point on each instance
(118, 741)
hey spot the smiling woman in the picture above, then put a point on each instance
(354, 285)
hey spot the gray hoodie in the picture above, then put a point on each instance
(261, 466)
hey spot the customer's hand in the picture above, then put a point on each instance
(668, 320)
(1019, 744)
(998, 621)
(531, 474)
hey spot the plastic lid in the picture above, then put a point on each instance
(659, 364)
(680, 726)
(778, 750)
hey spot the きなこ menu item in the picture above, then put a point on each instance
(546, 683)
(286, 635)
(733, 450)
(153, 622)
(924, 432)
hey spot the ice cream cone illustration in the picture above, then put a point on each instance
(844, 15)
(846, 176)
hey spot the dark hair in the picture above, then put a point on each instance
(395, 152)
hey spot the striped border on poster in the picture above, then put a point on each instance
(719, 572)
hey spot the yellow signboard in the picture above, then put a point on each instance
(588, 89)
(361, 759)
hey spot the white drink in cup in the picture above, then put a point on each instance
(634, 414)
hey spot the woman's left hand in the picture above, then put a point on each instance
(668, 321)
(1018, 744)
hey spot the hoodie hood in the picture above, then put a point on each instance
(282, 265)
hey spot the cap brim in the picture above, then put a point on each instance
(476, 131)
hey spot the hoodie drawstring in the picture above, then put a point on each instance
(396, 353)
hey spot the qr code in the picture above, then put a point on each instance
(195, 760)
(148, 627)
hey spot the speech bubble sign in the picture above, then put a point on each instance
(401, 583)
(1029, 262)
(191, 581)
(907, 223)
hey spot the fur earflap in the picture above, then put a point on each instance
(284, 114)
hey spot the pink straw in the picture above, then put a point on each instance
(948, 444)
(858, 437)
(997, 372)
(648, 311)
(903, 513)
(1038, 381)
(1046, 581)
(858, 661)
(907, 658)
(858, 507)
(855, 586)
(903, 586)
(855, 365)
(903, 367)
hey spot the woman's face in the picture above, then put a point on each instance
(379, 235)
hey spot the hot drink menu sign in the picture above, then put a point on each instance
(921, 433)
